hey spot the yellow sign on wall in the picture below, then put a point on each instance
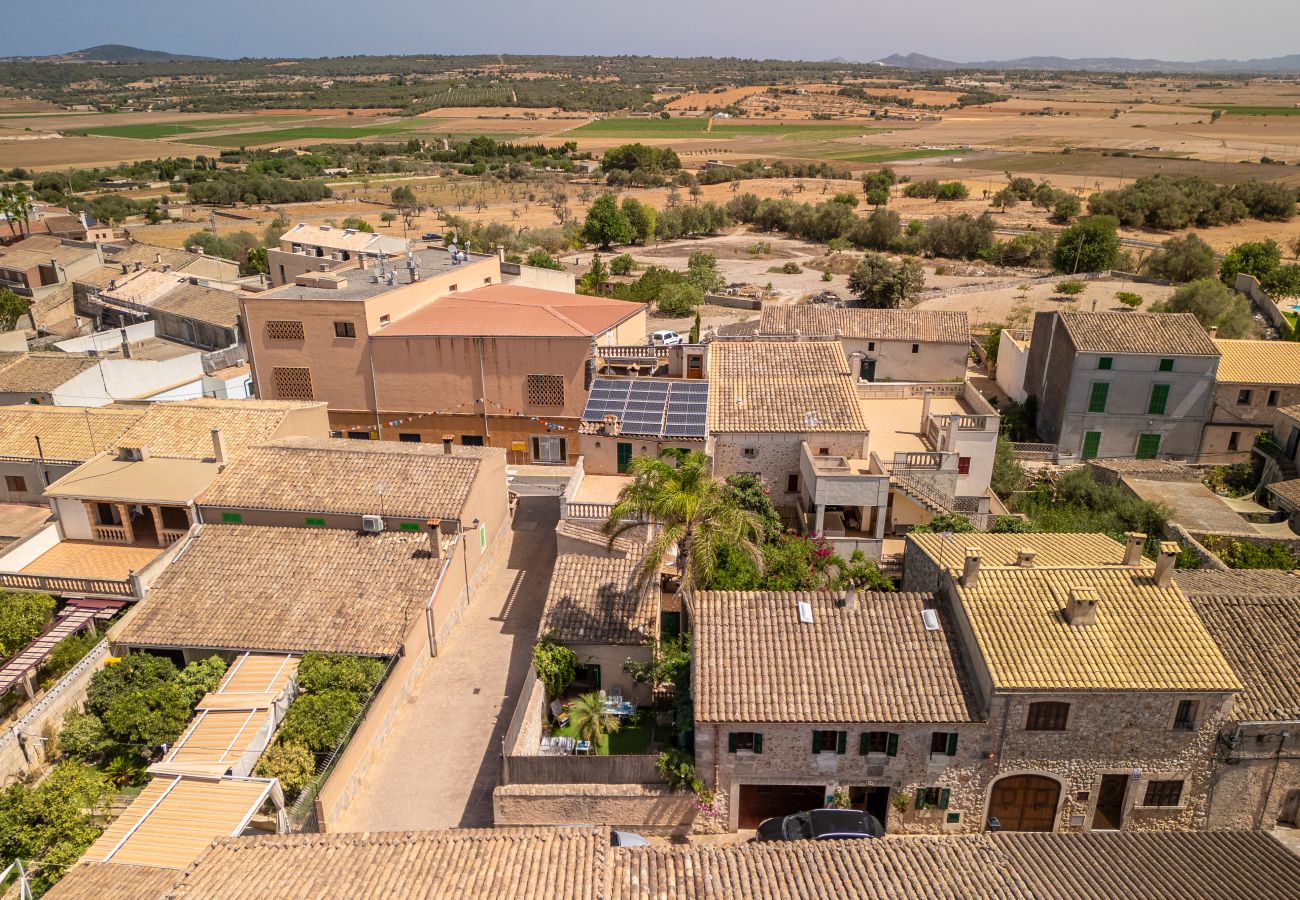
(519, 446)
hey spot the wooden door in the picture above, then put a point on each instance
(1025, 803)
(1109, 814)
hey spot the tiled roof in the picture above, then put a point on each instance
(532, 863)
(508, 310)
(1149, 469)
(39, 372)
(1175, 334)
(344, 239)
(148, 255)
(597, 540)
(1259, 362)
(1215, 865)
(68, 433)
(756, 662)
(113, 881)
(1287, 491)
(1256, 622)
(203, 304)
(596, 600)
(250, 587)
(331, 475)
(780, 386)
(1145, 637)
(142, 288)
(184, 428)
(1002, 549)
(918, 325)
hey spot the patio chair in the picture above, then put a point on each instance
(559, 714)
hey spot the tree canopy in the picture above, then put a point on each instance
(606, 224)
(1089, 245)
(882, 284)
(1214, 305)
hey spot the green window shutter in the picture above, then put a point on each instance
(232, 517)
(952, 745)
(943, 798)
(1159, 399)
(841, 742)
(731, 742)
(315, 522)
(1148, 446)
(817, 742)
(1104, 362)
(920, 798)
(1097, 399)
(408, 526)
(863, 740)
(758, 742)
(1166, 365)
(1091, 444)
(891, 744)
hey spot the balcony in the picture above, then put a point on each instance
(843, 501)
(44, 562)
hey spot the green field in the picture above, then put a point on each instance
(305, 133)
(641, 128)
(1255, 110)
(147, 131)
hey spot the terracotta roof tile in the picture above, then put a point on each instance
(1287, 491)
(287, 590)
(183, 428)
(1175, 334)
(1259, 362)
(596, 600)
(1255, 619)
(114, 881)
(780, 386)
(41, 372)
(877, 662)
(1002, 549)
(330, 475)
(67, 433)
(203, 304)
(508, 310)
(532, 863)
(1145, 637)
(829, 323)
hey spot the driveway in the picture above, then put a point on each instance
(441, 761)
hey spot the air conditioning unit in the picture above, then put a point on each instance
(372, 523)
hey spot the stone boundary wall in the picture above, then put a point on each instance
(641, 808)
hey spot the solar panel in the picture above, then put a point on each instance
(663, 408)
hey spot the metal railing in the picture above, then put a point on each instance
(630, 769)
(939, 503)
(1025, 450)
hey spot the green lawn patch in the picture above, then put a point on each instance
(634, 738)
(1254, 110)
(305, 133)
(148, 131)
(641, 128)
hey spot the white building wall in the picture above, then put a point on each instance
(1013, 357)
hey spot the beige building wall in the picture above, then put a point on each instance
(896, 360)
(639, 808)
(1256, 783)
(600, 451)
(610, 658)
(1229, 416)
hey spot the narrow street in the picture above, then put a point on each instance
(439, 765)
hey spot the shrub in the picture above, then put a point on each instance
(790, 268)
(623, 264)
(679, 769)
(23, 616)
(1245, 555)
(1070, 288)
(554, 663)
(827, 276)
(320, 672)
(1213, 305)
(1129, 299)
(1182, 259)
(291, 761)
(201, 677)
(321, 720)
(540, 259)
(136, 670)
(680, 300)
(952, 523)
(83, 735)
(1090, 245)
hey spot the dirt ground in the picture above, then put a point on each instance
(1015, 306)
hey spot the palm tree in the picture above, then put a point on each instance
(589, 720)
(691, 512)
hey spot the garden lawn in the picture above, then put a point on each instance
(633, 739)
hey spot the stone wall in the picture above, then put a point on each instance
(644, 809)
(1257, 777)
(775, 457)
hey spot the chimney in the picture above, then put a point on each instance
(855, 364)
(970, 573)
(219, 447)
(1081, 607)
(1165, 563)
(1025, 558)
(138, 266)
(157, 259)
(448, 441)
(126, 345)
(501, 253)
(850, 599)
(1134, 541)
(1213, 331)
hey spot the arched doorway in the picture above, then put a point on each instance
(1025, 803)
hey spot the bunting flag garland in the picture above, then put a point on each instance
(459, 409)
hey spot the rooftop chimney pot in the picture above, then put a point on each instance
(1081, 607)
(1134, 541)
(970, 573)
(219, 447)
(1025, 558)
(448, 442)
(1165, 563)
(850, 598)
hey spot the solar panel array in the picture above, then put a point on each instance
(644, 406)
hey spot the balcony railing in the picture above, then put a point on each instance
(110, 534)
(172, 535)
(57, 584)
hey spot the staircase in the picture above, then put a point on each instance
(934, 501)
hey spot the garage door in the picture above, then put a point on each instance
(763, 801)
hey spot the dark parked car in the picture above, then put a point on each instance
(821, 825)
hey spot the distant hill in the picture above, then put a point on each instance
(1271, 65)
(108, 53)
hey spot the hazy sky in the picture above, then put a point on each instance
(811, 29)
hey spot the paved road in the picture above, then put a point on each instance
(440, 763)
